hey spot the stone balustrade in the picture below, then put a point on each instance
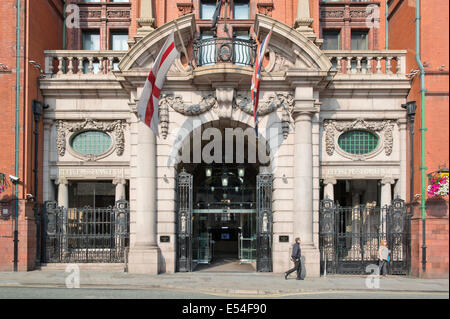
(370, 62)
(81, 62)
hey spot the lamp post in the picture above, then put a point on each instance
(411, 113)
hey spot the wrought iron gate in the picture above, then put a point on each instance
(86, 235)
(264, 184)
(350, 237)
(184, 221)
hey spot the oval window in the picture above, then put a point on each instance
(91, 142)
(358, 142)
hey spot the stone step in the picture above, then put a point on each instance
(94, 267)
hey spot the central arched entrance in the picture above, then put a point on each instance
(224, 211)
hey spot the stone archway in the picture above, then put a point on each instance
(224, 192)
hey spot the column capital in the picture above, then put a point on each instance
(61, 181)
(303, 114)
(331, 181)
(48, 123)
(388, 180)
(117, 181)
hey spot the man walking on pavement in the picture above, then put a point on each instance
(296, 255)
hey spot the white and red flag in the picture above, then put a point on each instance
(148, 106)
(257, 75)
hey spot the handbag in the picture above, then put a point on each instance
(389, 258)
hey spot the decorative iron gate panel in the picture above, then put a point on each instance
(350, 237)
(264, 184)
(86, 235)
(184, 221)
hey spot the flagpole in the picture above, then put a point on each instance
(257, 91)
(182, 44)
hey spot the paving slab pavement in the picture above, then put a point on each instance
(226, 283)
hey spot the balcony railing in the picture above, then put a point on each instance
(225, 50)
(69, 62)
(368, 62)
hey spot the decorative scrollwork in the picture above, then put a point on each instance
(115, 127)
(285, 100)
(331, 127)
(177, 104)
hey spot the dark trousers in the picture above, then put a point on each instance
(297, 267)
(382, 264)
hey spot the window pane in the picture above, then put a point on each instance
(91, 40)
(331, 40)
(119, 41)
(207, 8)
(241, 9)
(91, 193)
(91, 142)
(359, 41)
(358, 142)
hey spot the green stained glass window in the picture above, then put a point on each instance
(91, 142)
(358, 142)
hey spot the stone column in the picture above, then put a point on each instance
(120, 188)
(303, 201)
(303, 22)
(356, 220)
(63, 192)
(144, 255)
(302, 114)
(329, 188)
(146, 21)
(386, 200)
(63, 201)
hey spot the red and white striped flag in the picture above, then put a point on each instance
(257, 75)
(148, 106)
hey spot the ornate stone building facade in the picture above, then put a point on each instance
(332, 119)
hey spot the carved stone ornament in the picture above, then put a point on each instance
(65, 127)
(184, 8)
(278, 63)
(177, 104)
(265, 8)
(331, 127)
(271, 104)
(283, 100)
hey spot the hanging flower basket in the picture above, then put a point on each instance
(438, 187)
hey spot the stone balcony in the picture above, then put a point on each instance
(374, 63)
(83, 64)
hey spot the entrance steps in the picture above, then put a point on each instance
(93, 267)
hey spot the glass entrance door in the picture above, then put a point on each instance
(247, 238)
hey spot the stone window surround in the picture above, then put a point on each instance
(99, 20)
(346, 24)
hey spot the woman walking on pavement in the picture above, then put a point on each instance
(296, 255)
(383, 257)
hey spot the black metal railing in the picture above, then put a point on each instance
(86, 234)
(350, 237)
(225, 50)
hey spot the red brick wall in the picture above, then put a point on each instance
(434, 54)
(41, 28)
